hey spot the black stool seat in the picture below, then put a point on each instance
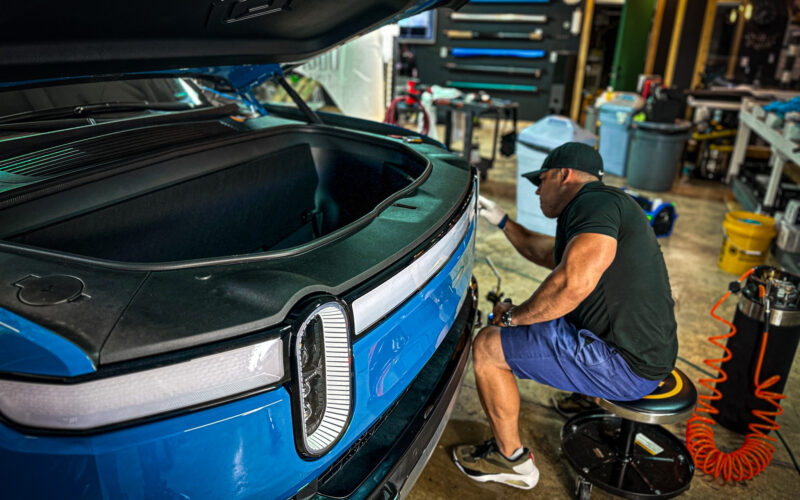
(672, 401)
(624, 453)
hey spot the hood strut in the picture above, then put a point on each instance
(301, 104)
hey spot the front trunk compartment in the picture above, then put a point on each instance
(282, 191)
(215, 241)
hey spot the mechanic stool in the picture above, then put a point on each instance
(625, 452)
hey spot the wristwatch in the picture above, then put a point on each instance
(505, 318)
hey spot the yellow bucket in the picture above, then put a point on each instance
(746, 241)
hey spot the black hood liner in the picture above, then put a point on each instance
(52, 39)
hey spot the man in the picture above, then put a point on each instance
(600, 324)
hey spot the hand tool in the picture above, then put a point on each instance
(499, 18)
(492, 86)
(502, 70)
(469, 52)
(487, 35)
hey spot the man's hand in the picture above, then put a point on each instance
(490, 211)
(498, 310)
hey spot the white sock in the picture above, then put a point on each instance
(516, 454)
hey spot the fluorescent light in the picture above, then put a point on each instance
(112, 400)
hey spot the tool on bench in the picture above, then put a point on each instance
(412, 99)
(502, 70)
(493, 35)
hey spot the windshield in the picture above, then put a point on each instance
(147, 90)
(58, 107)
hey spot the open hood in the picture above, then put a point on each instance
(47, 39)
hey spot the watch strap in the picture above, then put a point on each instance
(506, 317)
(503, 221)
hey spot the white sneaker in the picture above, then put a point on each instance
(485, 463)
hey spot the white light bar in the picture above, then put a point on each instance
(337, 376)
(131, 396)
(378, 302)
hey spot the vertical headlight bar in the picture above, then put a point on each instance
(323, 382)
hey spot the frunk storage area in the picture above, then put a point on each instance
(282, 190)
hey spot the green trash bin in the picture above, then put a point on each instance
(655, 154)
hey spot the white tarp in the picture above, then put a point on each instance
(352, 74)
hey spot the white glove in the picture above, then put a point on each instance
(490, 211)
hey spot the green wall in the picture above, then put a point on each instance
(632, 40)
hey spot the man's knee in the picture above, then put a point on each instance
(487, 349)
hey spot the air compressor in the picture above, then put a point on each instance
(781, 291)
(746, 394)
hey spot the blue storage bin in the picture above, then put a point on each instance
(533, 144)
(615, 120)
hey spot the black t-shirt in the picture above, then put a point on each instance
(631, 308)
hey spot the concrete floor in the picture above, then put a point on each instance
(697, 283)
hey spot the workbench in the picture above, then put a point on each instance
(783, 150)
(498, 108)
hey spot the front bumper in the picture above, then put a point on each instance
(245, 448)
(386, 461)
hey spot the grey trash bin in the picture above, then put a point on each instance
(655, 153)
(615, 121)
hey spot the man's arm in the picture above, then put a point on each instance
(536, 247)
(586, 258)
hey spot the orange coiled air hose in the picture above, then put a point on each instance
(756, 452)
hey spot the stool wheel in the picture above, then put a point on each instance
(583, 489)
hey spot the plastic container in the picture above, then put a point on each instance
(746, 240)
(655, 153)
(533, 144)
(615, 120)
(788, 238)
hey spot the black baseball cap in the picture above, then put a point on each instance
(570, 155)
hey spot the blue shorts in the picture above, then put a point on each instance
(559, 355)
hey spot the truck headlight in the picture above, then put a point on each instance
(323, 378)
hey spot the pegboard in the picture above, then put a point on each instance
(558, 64)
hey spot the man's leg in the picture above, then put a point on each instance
(497, 389)
(553, 353)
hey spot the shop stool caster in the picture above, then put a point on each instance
(625, 452)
